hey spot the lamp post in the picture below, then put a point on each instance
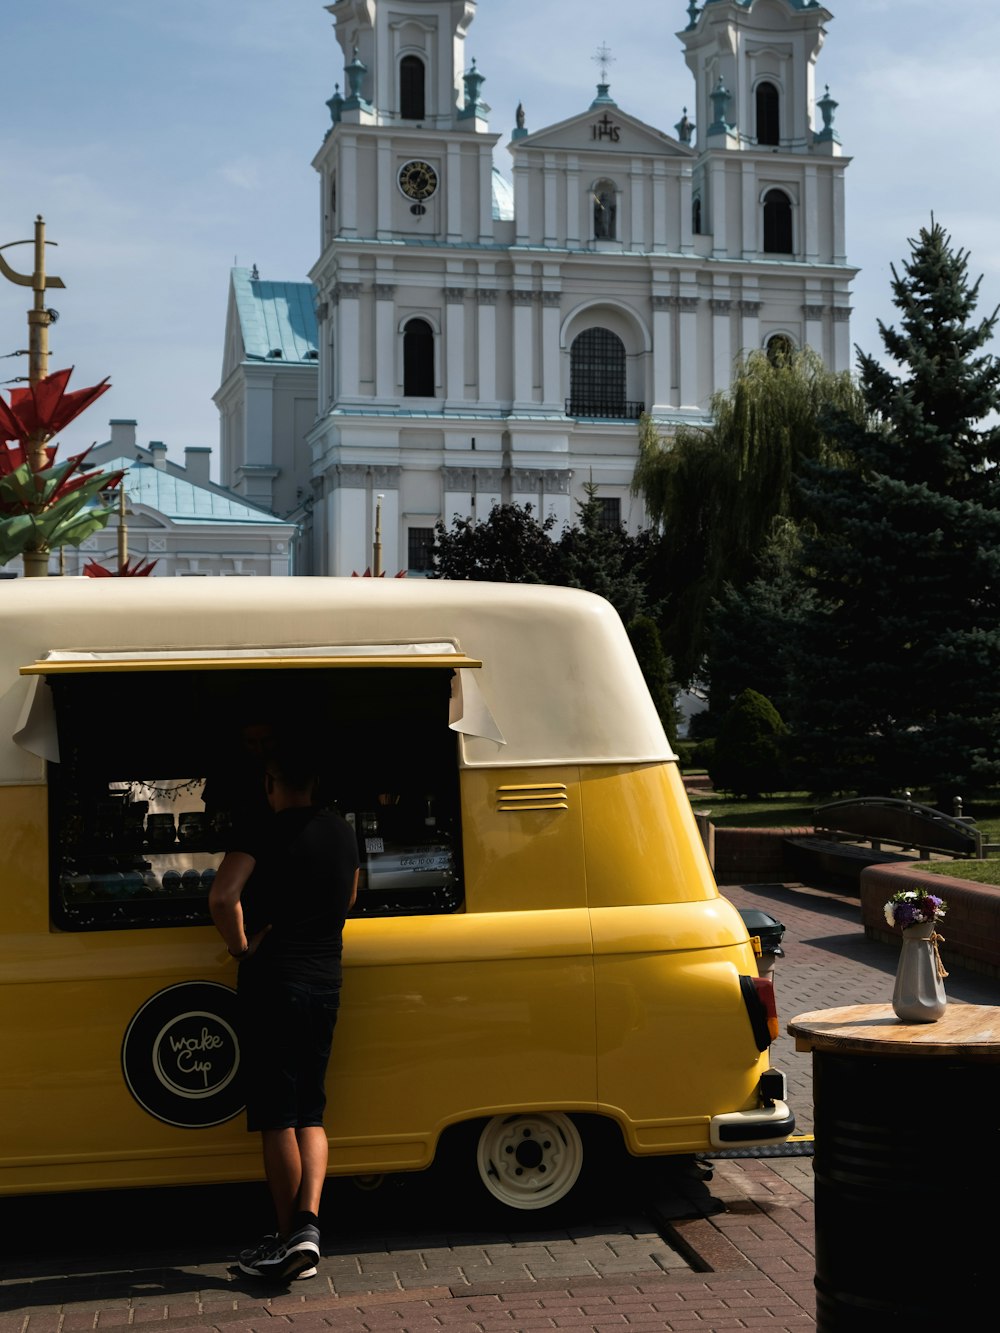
(36, 561)
(377, 544)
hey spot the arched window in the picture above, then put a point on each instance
(411, 88)
(777, 223)
(768, 114)
(605, 211)
(779, 348)
(418, 359)
(597, 375)
(696, 215)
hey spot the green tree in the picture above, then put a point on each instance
(602, 559)
(748, 755)
(902, 653)
(716, 491)
(657, 670)
(510, 546)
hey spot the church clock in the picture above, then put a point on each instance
(417, 180)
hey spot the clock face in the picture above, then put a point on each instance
(417, 180)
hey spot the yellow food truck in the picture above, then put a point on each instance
(538, 954)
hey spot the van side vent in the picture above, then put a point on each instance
(533, 796)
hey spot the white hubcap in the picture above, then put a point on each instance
(530, 1161)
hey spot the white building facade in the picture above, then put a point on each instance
(479, 343)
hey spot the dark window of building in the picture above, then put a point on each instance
(768, 104)
(419, 549)
(597, 375)
(411, 88)
(610, 512)
(418, 359)
(779, 349)
(777, 223)
(605, 211)
(696, 216)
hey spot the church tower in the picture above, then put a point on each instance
(478, 342)
(769, 184)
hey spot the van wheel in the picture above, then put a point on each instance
(530, 1160)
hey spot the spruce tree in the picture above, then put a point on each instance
(902, 655)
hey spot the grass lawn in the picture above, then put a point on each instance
(795, 809)
(980, 872)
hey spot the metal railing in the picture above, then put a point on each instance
(605, 410)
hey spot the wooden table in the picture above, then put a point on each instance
(907, 1162)
(969, 1030)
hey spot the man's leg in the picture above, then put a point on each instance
(314, 1152)
(283, 1167)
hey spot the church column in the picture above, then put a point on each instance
(485, 194)
(454, 314)
(722, 340)
(720, 244)
(348, 337)
(345, 520)
(486, 343)
(685, 202)
(839, 231)
(459, 485)
(687, 344)
(522, 204)
(385, 340)
(812, 316)
(663, 352)
(637, 206)
(551, 378)
(556, 501)
(385, 186)
(550, 182)
(810, 219)
(347, 187)
(659, 208)
(749, 321)
(524, 348)
(749, 191)
(572, 202)
(841, 337)
(453, 187)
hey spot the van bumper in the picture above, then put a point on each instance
(749, 1129)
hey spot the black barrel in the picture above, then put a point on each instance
(907, 1173)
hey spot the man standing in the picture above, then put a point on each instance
(279, 904)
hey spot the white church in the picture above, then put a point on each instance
(464, 340)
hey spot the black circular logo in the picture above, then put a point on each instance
(181, 1055)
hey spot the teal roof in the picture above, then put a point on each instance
(277, 319)
(182, 501)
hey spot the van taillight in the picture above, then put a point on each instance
(758, 996)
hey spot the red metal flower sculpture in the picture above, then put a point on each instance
(44, 504)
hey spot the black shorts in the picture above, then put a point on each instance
(286, 1029)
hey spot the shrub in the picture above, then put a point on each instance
(748, 756)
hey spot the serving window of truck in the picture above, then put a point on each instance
(156, 769)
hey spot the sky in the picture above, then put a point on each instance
(164, 143)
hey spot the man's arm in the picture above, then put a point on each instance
(354, 890)
(224, 902)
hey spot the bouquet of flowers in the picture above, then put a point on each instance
(910, 907)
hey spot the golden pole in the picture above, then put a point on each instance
(377, 549)
(122, 530)
(36, 562)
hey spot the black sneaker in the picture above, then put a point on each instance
(289, 1259)
(251, 1257)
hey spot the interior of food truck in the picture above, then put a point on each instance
(157, 769)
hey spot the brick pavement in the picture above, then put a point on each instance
(735, 1253)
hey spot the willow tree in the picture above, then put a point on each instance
(717, 490)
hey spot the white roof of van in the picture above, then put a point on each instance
(558, 675)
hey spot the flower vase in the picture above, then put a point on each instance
(918, 996)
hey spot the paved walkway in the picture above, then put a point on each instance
(735, 1252)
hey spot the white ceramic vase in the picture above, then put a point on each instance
(918, 996)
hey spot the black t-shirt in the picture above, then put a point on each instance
(301, 887)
